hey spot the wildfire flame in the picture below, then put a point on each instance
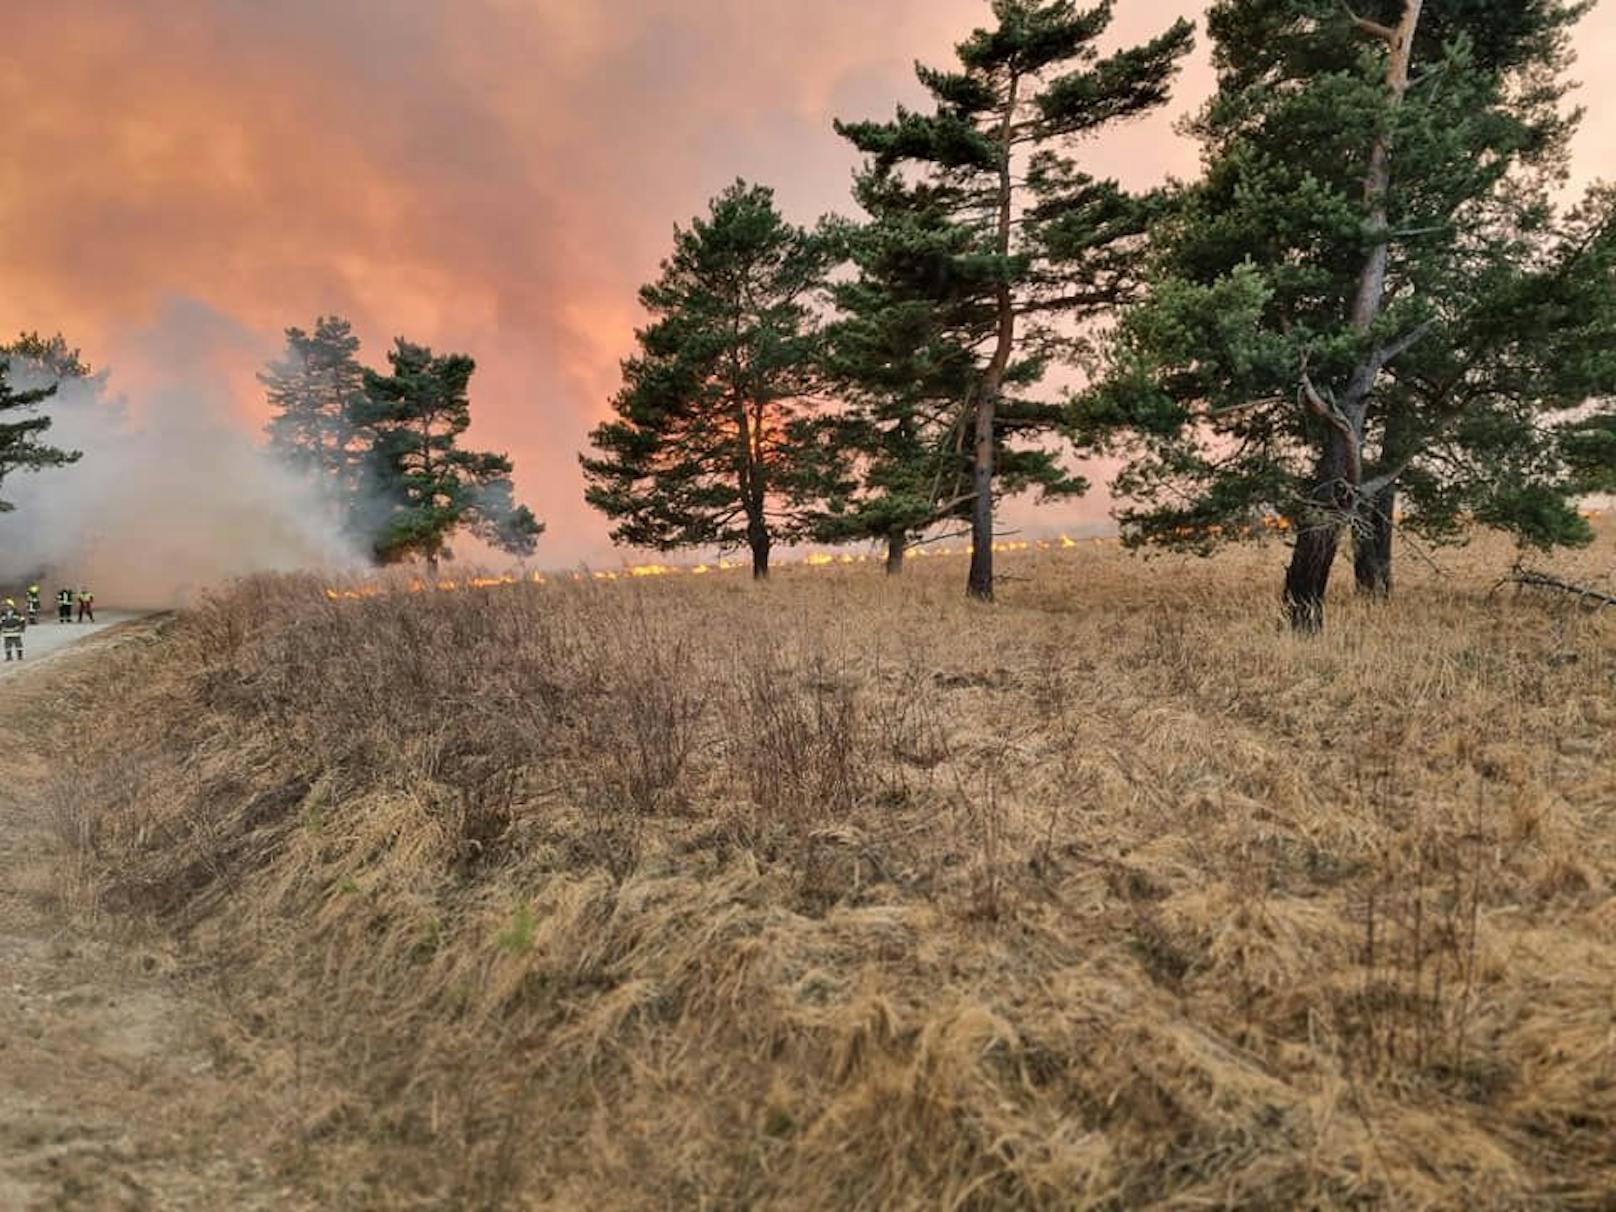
(648, 571)
(1062, 543)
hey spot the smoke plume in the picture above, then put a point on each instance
(173, 494)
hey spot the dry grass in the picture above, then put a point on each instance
(836, 893)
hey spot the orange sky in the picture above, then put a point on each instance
(180, 181)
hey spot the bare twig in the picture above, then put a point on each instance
(1420, 552)
(1533, 579)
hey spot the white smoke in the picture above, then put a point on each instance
(172, 495)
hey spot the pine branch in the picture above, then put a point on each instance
(1331, 416)
(1388, 354)
(1382, 33)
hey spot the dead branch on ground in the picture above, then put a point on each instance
(1531, 578)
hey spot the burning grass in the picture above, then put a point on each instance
(840, 893)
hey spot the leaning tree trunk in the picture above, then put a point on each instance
(1372, 545)
(1318, 536)
(1308, 578)
(897, 546)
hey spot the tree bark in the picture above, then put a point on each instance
(979, 584)
(757, 538)
(897, 545)
(1319, 536)
(1308, 578)
(1372, 545)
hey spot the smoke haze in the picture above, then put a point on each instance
(172, 494)
(489, 176)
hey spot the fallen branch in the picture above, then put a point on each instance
(1525, 578)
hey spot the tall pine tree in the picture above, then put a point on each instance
(1014, 246)
(1369, 306)
(45, 362)
(422, 487)
(889, 462)
(704, 451)
(314, 389)
(893, 461)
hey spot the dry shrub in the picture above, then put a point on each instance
(833, 893)
(799, 747)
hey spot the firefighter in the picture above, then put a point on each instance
(64, 605)
(33, 604)
(12, 626)
(86, 605)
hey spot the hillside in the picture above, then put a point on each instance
(841, 893)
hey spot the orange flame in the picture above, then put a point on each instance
(635, 572)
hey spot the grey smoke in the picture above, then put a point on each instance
(173, 495)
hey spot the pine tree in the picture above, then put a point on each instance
(425, 488)
(1015, 247)
(703, 452)
(50, 359)
(889, 463)
(314, 388)
(47, 361)
(1361, 311)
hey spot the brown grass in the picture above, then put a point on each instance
(835, 893)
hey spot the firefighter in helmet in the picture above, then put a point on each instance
(12, 625)
(64, 605)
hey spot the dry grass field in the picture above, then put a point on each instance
(835, 893)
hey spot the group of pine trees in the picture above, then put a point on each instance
(385, 447)
(1369, 312)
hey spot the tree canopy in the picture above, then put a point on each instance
(702, 452)
(987, 247)
(21, 446)
(315, 388)
(421, 487)
(1368, 306)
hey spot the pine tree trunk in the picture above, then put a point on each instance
(979, 584)
(1341, 468)
(1372, 546)
(897, 545)
(1319, 536)
(1308, 578)
(757, 538)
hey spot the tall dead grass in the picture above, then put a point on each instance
(839, 893)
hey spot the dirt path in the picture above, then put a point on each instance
(108, 1098)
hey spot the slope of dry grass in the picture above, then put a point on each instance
(835, 893)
